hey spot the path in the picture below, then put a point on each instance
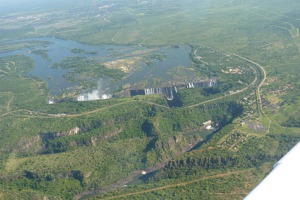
(60, 115)
(120, 183)
(239, 91)
(219, 175)
(113, 37)
(133, 175)
(162, 106)
(9, 103)
(177, 185)
(118, 104)
(258, 88)
(264, 77)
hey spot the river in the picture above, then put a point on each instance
(175, 63)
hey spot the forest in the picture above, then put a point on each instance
(215, 142)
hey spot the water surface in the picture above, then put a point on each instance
(59, 49)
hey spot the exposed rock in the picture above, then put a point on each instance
(178, 138)
(169, 92)
(87, 175)
(73, 131)
(94, 141)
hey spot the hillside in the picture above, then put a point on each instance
(203, 98)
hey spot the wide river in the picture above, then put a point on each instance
(59, 49)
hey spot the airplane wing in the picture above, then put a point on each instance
(283, 183)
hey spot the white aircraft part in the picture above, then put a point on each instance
(283, 183)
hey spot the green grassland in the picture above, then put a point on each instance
(77, 148)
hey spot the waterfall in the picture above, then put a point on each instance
(190, 85)
(171, 97)
(212, 82)
(149, 91)
(168, 92)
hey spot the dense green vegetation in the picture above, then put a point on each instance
(43, 53)
(86, 70)
(292, 122)
(82, 51)
(139, 125)
(100, 148)
(6, 47)
(182, 175)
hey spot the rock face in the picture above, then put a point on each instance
(61, 141)
(169, 92)
(163, 149)
(73, 131)
(35, 144)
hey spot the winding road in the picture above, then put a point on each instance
(137, 172)
(262, 82)
(44, 115)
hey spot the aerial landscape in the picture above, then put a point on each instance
(146, 99)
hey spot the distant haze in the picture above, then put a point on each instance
(11, 6)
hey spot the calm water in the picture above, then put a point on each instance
(59, 49)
